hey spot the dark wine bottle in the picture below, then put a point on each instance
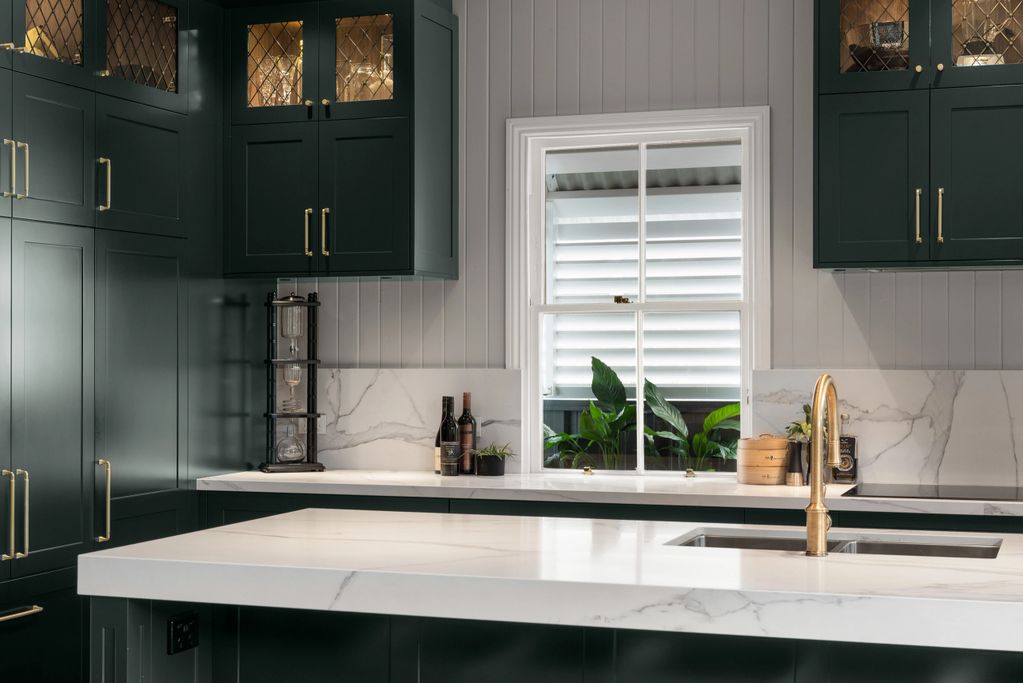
(436, 451)
(467, 435)
(448, 437)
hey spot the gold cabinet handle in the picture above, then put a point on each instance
(308, 220)
(103, 538)
(20, 614)
(9, 555)
(14, 168)
(940, 67)
(919, 68)
(325, 102)
(919, 239)
(103, 161)
(25, 521)
(24, 146)
(323, 231)
(941, 211)
(11, 47)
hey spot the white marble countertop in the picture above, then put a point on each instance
(605, 573)
(700, 491)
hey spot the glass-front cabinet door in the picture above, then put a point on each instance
(6, 34)
(869, 45)
(52, 39)
(364, 49)
(274, 67)
(142, 45)
(977, 42)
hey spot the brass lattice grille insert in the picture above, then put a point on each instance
(986, 32)
(365, 58)
(142, 42)
(53, 30)
(874, 35)
(275, 64)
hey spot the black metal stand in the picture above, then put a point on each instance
(274, 360)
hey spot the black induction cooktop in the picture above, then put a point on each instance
(942, 491)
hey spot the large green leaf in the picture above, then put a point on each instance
(607, 387)
(593, 425)
(720, 415)
(660, 407)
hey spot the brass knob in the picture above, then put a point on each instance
(325, 102)
(308, 103)
(940, 67)
(919, 68)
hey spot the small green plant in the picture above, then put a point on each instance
(495, 451)
(800, 429)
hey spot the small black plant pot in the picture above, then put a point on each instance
(489, 466)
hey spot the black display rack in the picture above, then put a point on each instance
(274, 412)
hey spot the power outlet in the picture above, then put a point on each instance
(182, 632)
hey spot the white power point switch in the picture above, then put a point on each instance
(321, 424)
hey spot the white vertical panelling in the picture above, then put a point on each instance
(531, 57)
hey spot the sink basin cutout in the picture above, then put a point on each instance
(913, 545)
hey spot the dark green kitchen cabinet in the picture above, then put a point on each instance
(6, 34)
(141, 177)
(55, 39)
(141, 337)
(52, 393)
(977, 174)
(7, 491)
(364, 196)
(873, 176)
(8, 147)
(273, 199)
(54, 129)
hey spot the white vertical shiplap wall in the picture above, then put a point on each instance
(543, 57)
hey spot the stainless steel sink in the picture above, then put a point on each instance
(916, 545)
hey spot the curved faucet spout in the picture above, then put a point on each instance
(824, 406)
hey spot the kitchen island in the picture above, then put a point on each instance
(599, 592)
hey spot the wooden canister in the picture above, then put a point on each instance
(762, 460)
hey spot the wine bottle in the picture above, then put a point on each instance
(449, 450)
(467, 435)
(436, 451)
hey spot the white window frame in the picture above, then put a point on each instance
(529, 140)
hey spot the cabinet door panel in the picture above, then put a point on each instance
(977, 160)
(977, 43)
(364, 181)
(274, 70)
(146, 148)
(273, 185)
(58, 123)
(5, 392)
(6, 34)
(46, 645)
(52, 389)
(6, 134)
(871, 160)
(57, 37)
(140, 355)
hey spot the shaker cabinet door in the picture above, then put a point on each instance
(52, 392)
(976, 42)
(5, 400)
(364, 183)
(54, 40)
(977, 174)
(872, 178)
(6, 33)
(8, 148)
(273, 212)
(45, 639)
(54, 125)
(140, 167)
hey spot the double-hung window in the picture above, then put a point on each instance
(638, 290)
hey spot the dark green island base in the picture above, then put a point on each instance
(129, 642)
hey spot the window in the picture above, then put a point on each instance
(637, 248)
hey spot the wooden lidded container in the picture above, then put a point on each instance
(762, 460)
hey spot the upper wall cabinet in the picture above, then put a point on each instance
(6, 34)
(873, 45)
(302, 62)
(54, 39)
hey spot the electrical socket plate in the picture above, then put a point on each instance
(182, 632)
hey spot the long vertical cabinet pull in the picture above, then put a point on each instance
(941, 210)
(28, 173)
(103, 538)
(323, 231)
(308, 220)
(24, 542)
(919, 239)
(9, 555)
(14, 168)
(103, 161)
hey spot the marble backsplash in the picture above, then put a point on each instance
(387, 419)
(913, 426)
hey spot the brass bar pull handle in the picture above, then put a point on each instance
(9, 555)
(24, 146)
(919, 239)
(308, 220)
(103, 161)
(24, 542)
(323, 231)
(20, 613)
(103, 538)
(941, 210)
(14, 168)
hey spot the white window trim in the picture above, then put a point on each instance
(529, 139)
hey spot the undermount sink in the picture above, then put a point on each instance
(916, 545)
